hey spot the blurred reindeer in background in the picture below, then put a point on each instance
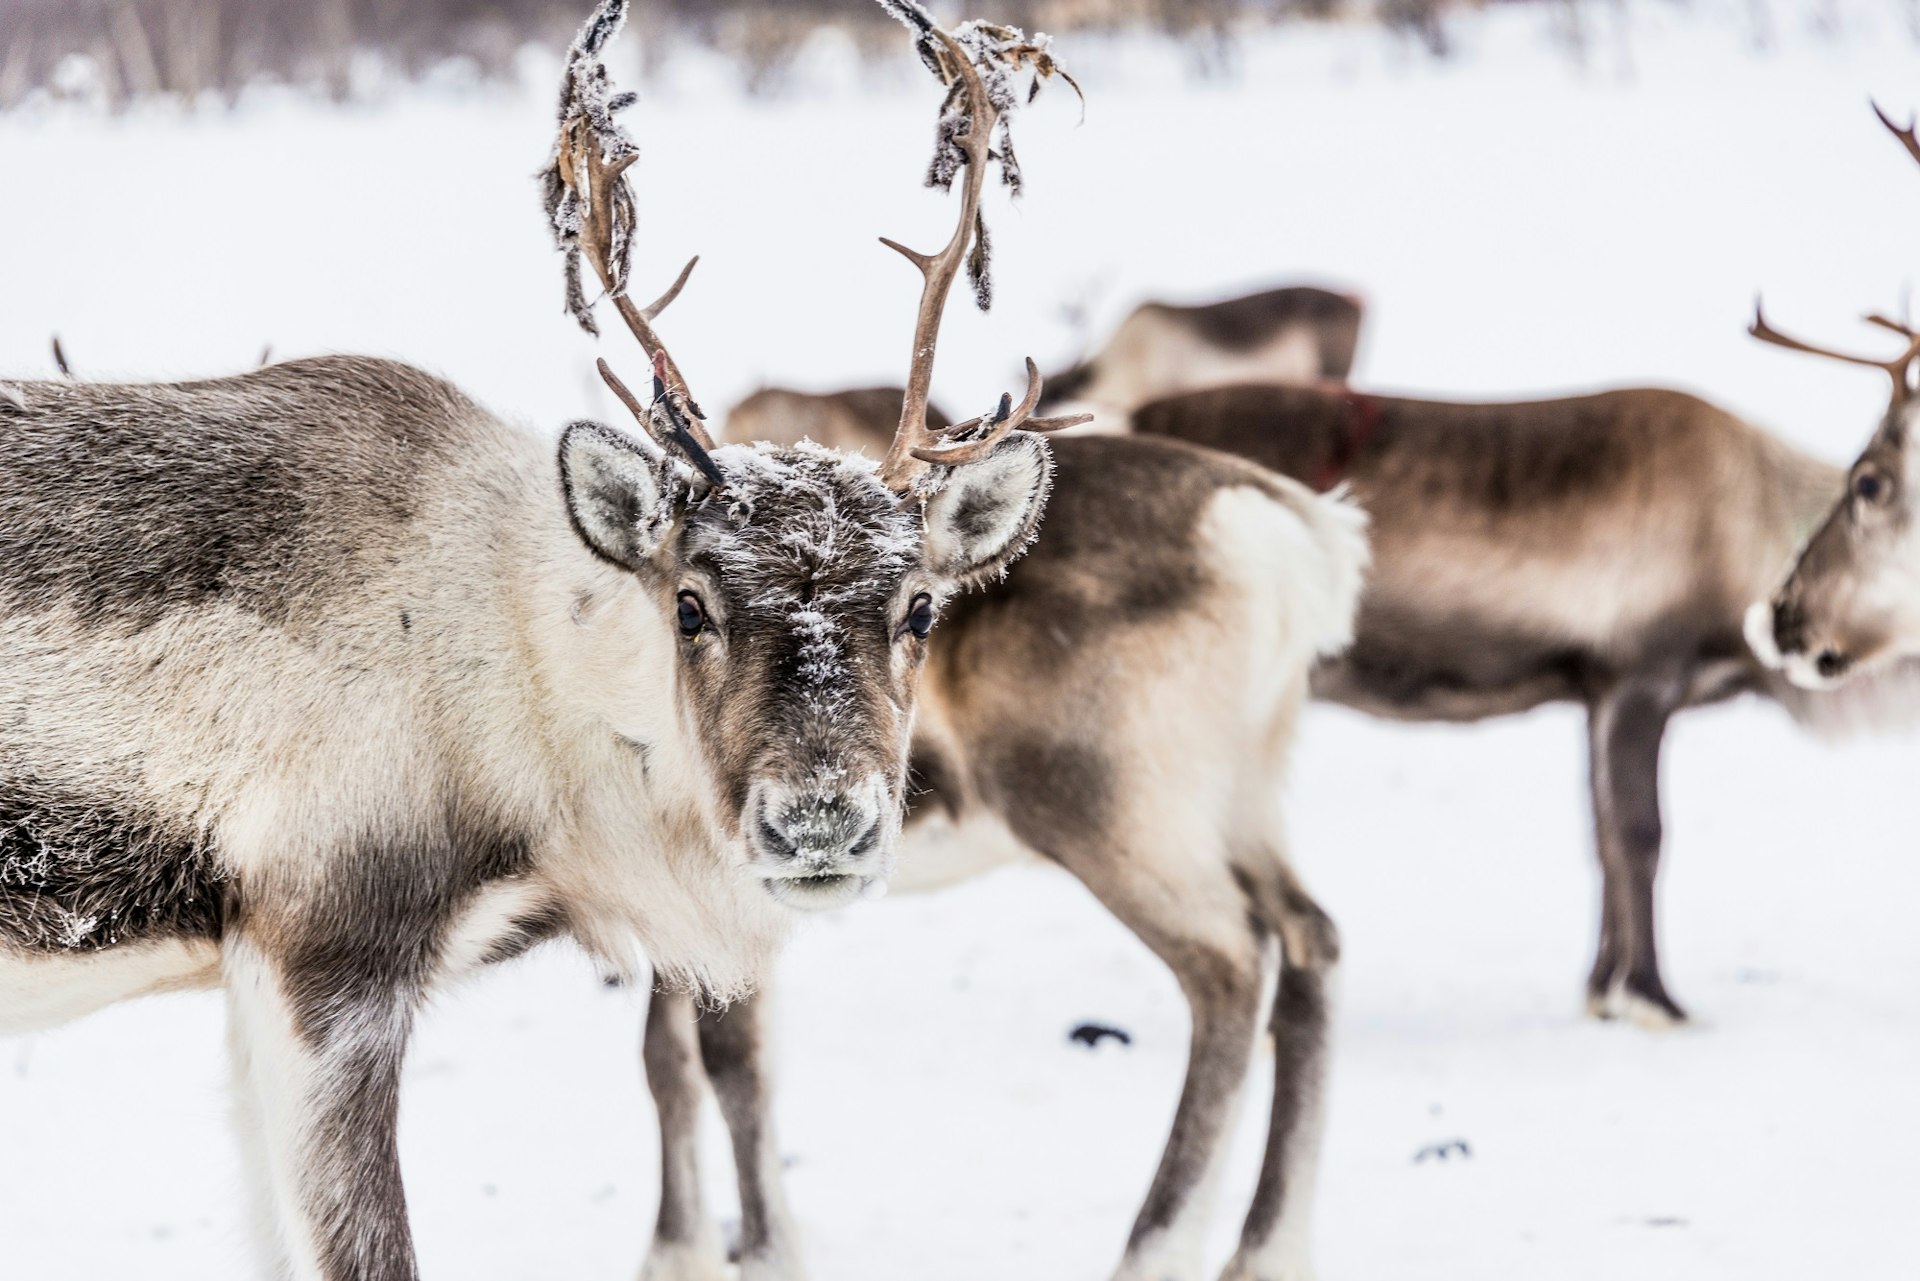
(1603, 550)
(858, 421)
(1596, 549)
(1122, 705)
(1296, 334)
(1299, 333)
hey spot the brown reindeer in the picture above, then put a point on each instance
(1596, 549)
(1121, 705)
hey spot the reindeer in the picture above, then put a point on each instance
(1849, 609)
(1597, 549)
(1121, 705)
(325, 686)
(1295, 334)
(859, 420)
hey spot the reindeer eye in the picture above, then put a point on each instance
(920, 617)
(1869, 486)
(692, 615)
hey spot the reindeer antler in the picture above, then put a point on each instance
(1896, 368)
(1900, 367)
(591, 207)
(977, 65)
(1906, 136)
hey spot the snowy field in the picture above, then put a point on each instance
(1519, 224)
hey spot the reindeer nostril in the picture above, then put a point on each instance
(1789, 627)
(1830, 662)
(776, 840)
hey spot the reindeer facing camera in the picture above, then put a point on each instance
(1122, 705)
(323, 685)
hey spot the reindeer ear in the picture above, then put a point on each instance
(987, 512)
(616, 492)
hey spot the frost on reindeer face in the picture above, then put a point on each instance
(794, 604)
(799, 595)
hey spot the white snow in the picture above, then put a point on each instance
(1519, 224)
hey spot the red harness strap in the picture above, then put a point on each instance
(1363, 423)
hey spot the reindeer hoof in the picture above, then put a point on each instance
(1644, 1006)
(1137, 1268)
(685, 1261)
(770, 1268)
(1656, 1013)
(1242, 1269)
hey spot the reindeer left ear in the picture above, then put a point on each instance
(617, 490)
(988, 511)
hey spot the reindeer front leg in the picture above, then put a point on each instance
(685, 1245)
(732, 1047)
(1627, 720)
(685, 1047)
(320, 1049)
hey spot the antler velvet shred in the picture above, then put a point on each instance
(981, 65)
(591, 211)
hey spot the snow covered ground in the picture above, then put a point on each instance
(1520, 224)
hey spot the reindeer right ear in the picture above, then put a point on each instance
(616, 489)
(987, 513)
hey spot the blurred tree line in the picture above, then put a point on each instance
(116, 51)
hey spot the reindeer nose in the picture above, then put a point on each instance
(822, 833)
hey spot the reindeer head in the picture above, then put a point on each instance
(1852, 598)
(795, 587)
(797, 603)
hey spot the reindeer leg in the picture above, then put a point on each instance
(1606, 958)
(269, 1258)
(732, 1046)
(321, 1054)
(686, 1246)
(1206, 936)
(1274, 1241)
(1626, 722)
